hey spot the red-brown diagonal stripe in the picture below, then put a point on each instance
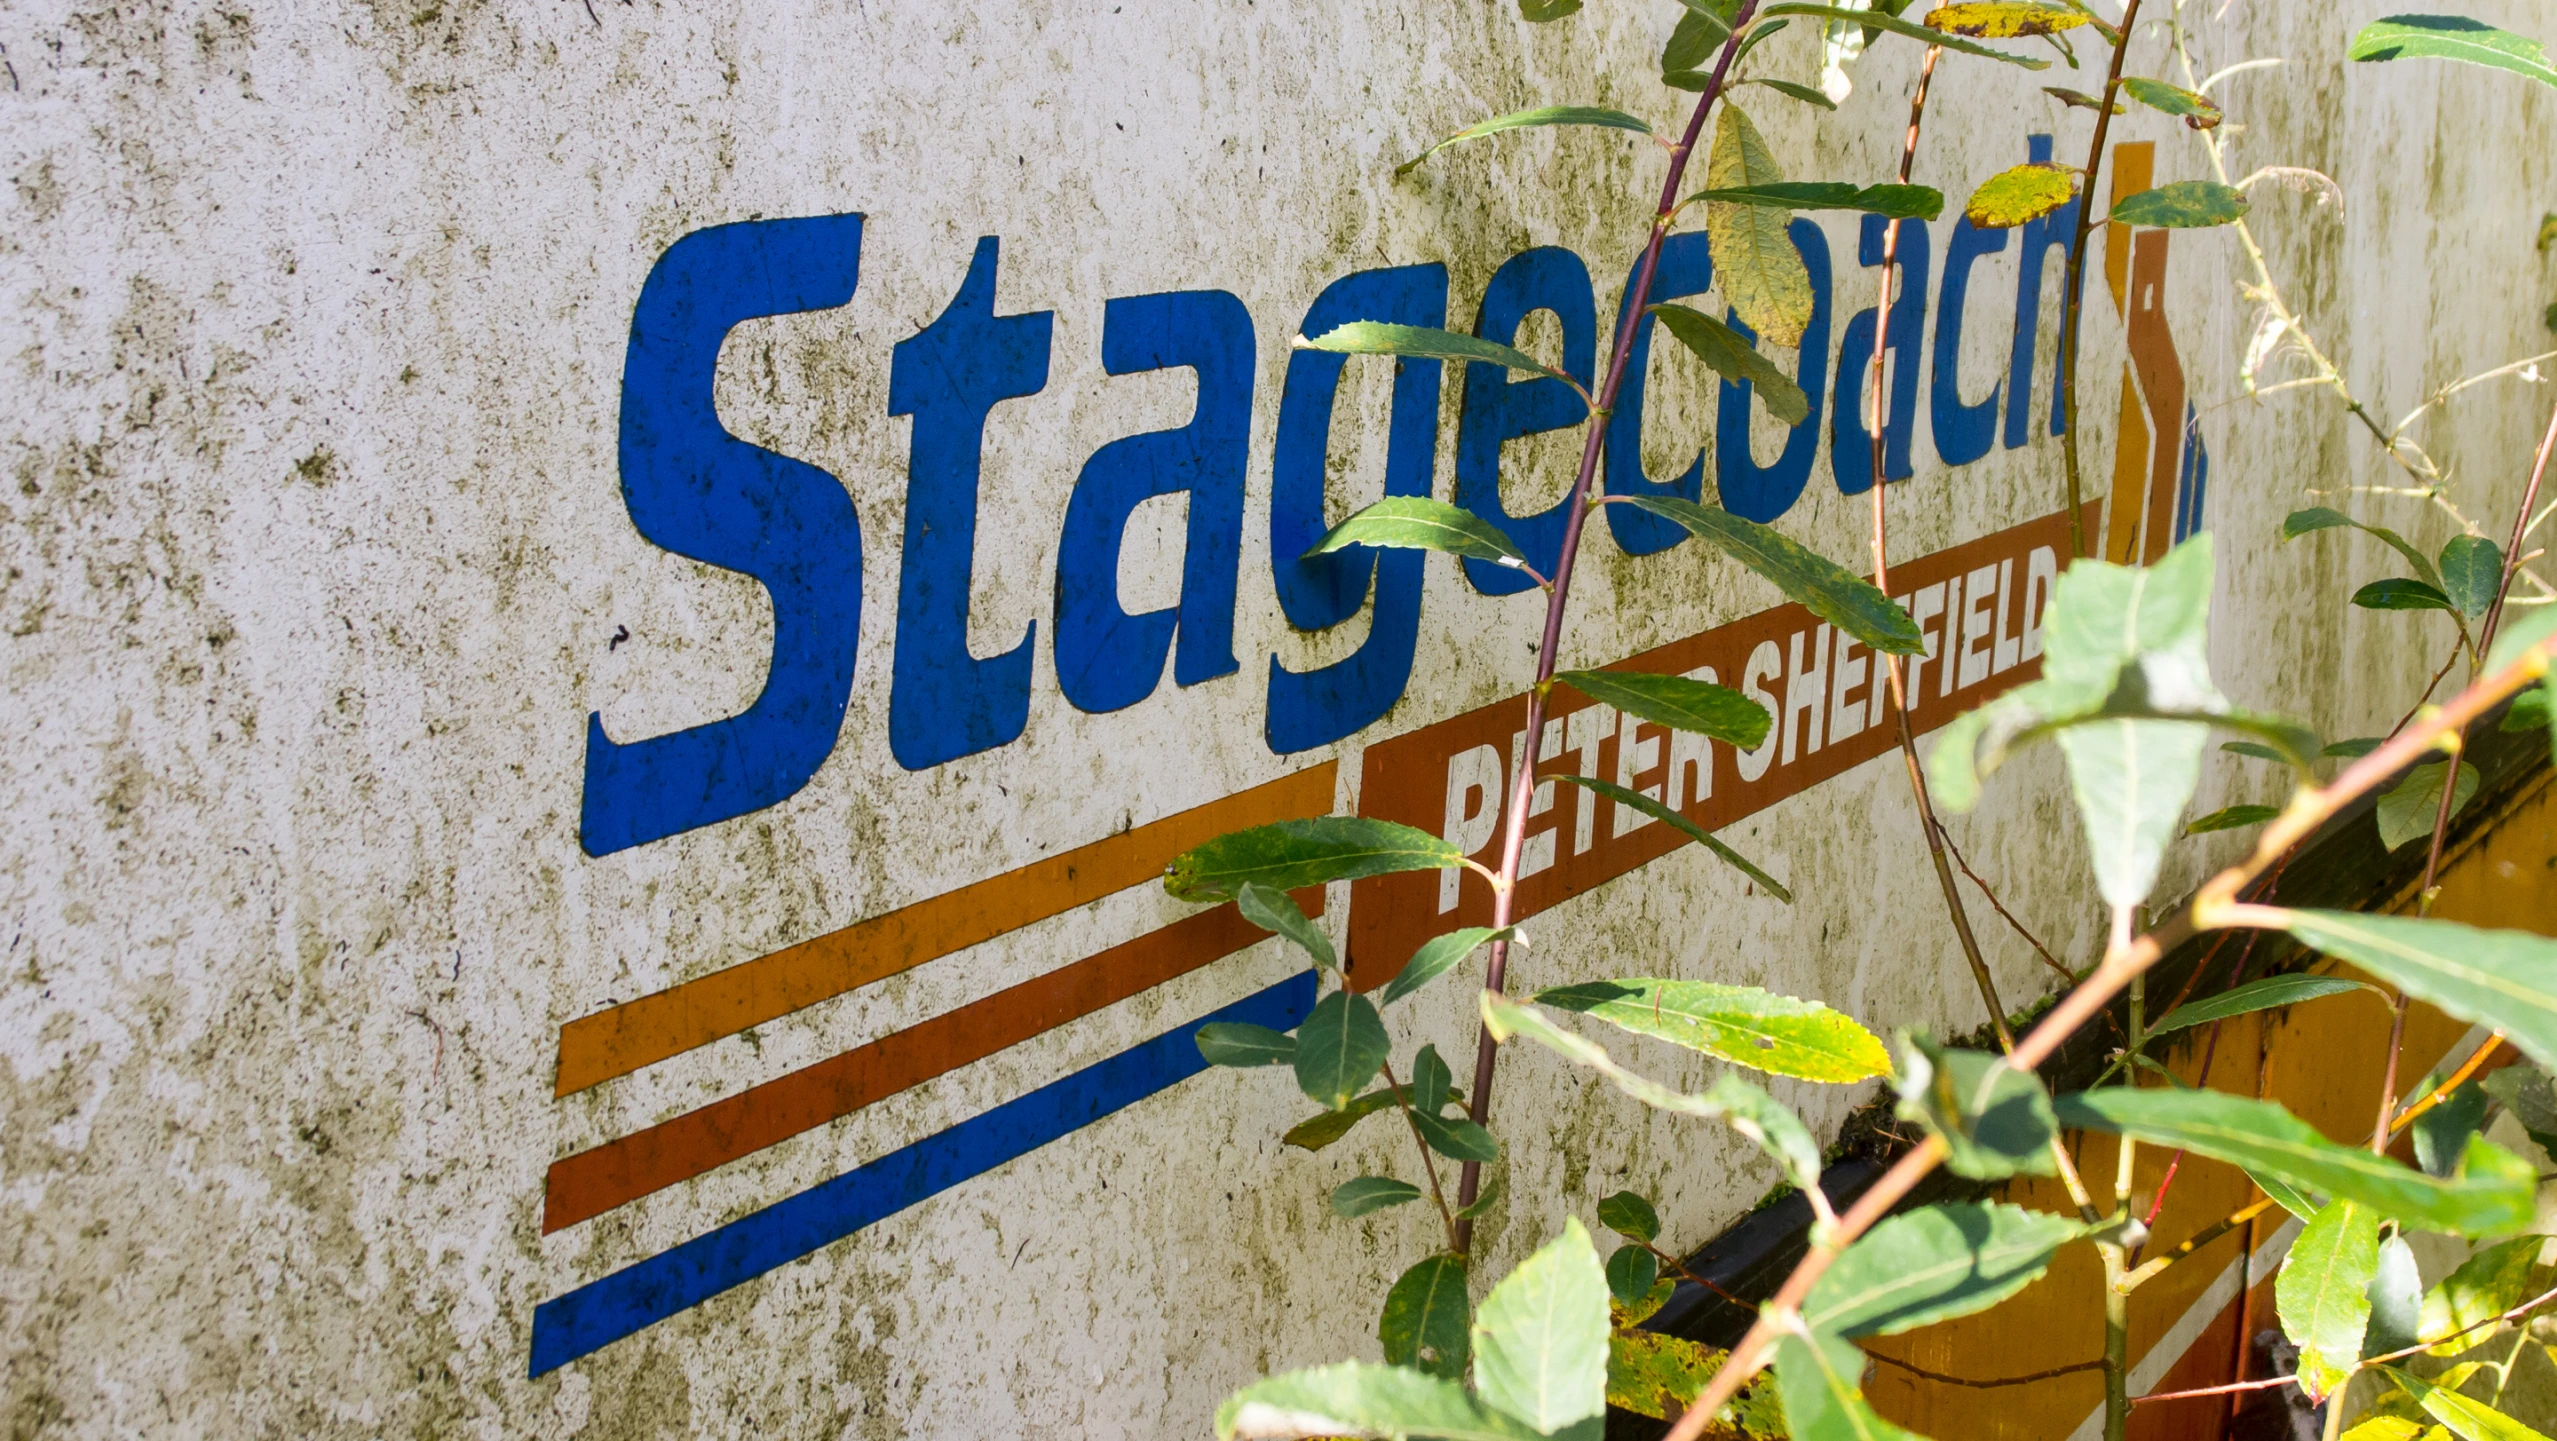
(618, 1172)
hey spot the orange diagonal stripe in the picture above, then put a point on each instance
(635, 1034)
(618, 1172)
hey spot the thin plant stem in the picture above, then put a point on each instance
(1514, 840)
(2446, 1089)
(2073, 295)
(2215, 906)
(1429, 1167)
(1991, 896)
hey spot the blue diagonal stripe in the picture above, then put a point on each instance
(645, 1292)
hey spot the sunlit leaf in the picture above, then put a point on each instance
(2258, 995)
(1416, 522)
(1741, 1024)
(2003, 19)
(2321, 1293)
(2194, 110)
(2467, 1417)
(2184, 205)
(1426, 1319)
(1676, 702)
(1932, 1265)
(2452, 37)
(2132, 780)
(1995, 1121)
(1359, 1196)
(1375, 337)
(1722, 348)
(1540, 1337)
(1659, 1376)
(2396, 1295)
(2021, 193)
(1755, 262)
(1292, 855)
(2505, 979)
(2485, 1286)
(2491, 1194)
(1877, 19)
(1822, 1380)
(2531, 628)
(1527, 119)
(1822, 586)
(1357, 1399)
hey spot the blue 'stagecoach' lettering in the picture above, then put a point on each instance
(698, 491)
(944, 703)
(1319, 592)
(1108, 659)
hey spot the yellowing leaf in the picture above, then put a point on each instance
(1762, 274)
(2026, 192)
(2002, 19)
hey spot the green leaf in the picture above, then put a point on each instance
(1741, 1024)
(1627, 1214)
(1878, 20)
(1431, 1085)
(1760, 271)
(2472, 573)
(1932, 1265)
(1822, 1381)
(2492, 1193)
(1995, 1121)
(2024, 192)
(2441, 1134)
(2387, 1428)
(2259, 995)
(1237, 1043)
(2080, 100)
(1355, 1198)
(1483, 1199)
(2408, 809)
(2518, 635)
(1659, 1376)
(2529, 712)
(1654, 809)
(2235, 817)
(1631, 1272)
(2257, 749)
(2283, 1194)
(1752, 1112)
(2486, 1285)
(1327, 1127)
(2194, 110)
(1676, 702)
(1899, 202)
(2184, 205)
(1790, 90)
(2318, 517)
(1722, 348)
(1540, 1337)
(1375, 337)
(2003, 19)
(2354, 749)
(2132, 780)
(1438, 955)
(1292, 855)
(1339, 1049)
(2397, 593)
(2501, 978)
(1529, 119)
(2525, 1091)
(2467, 1417)
(2321, 1293)
(1277, 912)
(1822, 586)
(2452, 37)
(1426, 1316)
(1458, 1139)
(1539, 12)
(1416, 522)
(2397, 1299)
(1699, 33)
(1355, 1398)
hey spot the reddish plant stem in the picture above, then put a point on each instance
(2070, 306)
(1991, 896)
(1513, 842)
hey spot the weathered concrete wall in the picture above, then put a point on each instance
(317, 564)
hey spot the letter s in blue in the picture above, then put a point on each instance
(694, 489)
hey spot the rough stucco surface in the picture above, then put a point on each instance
(315, 562)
